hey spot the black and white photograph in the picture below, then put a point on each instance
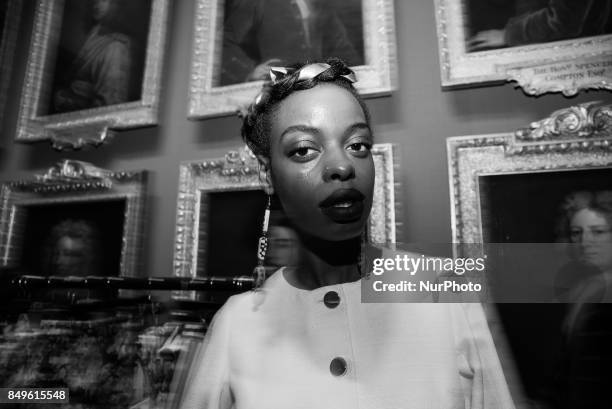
(304, 204)
(101, 54)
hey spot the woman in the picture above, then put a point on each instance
(305, 340)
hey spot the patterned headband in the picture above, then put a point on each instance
(306, 73)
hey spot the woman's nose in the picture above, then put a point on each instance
(338, 167)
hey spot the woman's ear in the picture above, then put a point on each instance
(265, 175)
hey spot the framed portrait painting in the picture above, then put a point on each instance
(74, 220)
(538, 202)
(220, 212)
(548, 159)
(237, 41)
(10, 16)
(543, 45)
(94, 68)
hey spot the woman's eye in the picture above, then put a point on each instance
(360, 147)
(302, 153)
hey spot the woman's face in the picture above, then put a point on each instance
(320, 162)
(592, 232)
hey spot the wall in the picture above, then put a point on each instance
(417, 118)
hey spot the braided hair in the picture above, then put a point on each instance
(257, 120)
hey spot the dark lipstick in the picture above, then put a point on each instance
(343, 205)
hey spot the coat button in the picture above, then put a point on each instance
(338, 366)
(331, 299)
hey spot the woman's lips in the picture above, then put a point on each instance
(343, 205)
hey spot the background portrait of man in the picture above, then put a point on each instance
(73, 249)
(585, 224)
(498, 24)
(568, 212)
(73, 238)
(258, 34)
(101, 54)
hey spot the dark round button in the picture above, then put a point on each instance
(338, 366)
(331, 299)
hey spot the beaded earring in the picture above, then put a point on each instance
(259, 273)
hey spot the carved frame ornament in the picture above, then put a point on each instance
(95, 126)
(239, 170)
(574, 138)
(73, 182)
(568, 66)
(377, 77)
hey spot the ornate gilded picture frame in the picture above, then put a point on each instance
(542, 49)
(226, 195)
(92, 70)
(516, 199)
(10, 16)
(235, 40)
(570, 150)
(76, 219)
